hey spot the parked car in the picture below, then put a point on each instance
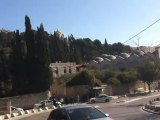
(100, 98)
(79, 112)
(47, 103)
(16, 110)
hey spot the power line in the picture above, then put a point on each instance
(142, 30)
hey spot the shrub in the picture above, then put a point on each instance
(113, 81)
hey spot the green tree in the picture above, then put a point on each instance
(128, 76)
(106, 47)
(17, 64)
(149, 73)
(113, 81)
(85, 77)
(29, 37)
(42, 80)
(58, 53)
(30, 59)
(5, 82)
(66, 78)
(98, 45)
(109, 73)
(98, 75)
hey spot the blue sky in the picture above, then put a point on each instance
(115, 20)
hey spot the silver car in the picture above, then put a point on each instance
(48, 103)
(100, 98)
(79, 112)
(16, 110)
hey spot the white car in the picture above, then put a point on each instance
(100, 98)
(16, 110)
(48, 103)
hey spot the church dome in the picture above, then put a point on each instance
(111, 57)
(138, 52)
(99, 59)
(124, 55)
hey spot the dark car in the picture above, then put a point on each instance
(79, 112)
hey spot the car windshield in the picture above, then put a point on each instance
(85, 114)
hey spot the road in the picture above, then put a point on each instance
(130, 110)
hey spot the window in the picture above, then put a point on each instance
(65, 71)
(58, 114)
(56, 70)
(70, 71)
(85, 114)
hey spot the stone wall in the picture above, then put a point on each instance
(116, 90)
(27, 101)
(5, 106)
(62, 91)
(155, 85)
(125, 88)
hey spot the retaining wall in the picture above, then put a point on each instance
(27, 101)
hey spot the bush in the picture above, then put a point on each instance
(113, 81)
(85, 77)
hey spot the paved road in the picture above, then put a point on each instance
(130, 110)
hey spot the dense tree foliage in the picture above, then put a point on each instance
(109, 73)
(149, 73)
(85, 77)
(114, 76)
(128, 76)
(113, 81)
(25, 57)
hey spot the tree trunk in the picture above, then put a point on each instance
(149, 87)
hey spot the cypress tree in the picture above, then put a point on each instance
(42, 72)
(30, 59)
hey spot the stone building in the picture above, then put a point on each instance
(59, 69)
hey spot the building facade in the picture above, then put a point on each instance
(58, 69)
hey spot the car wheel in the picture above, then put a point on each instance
(107, 100)
(92, 101)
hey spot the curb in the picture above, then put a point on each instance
(26, 113)
(150, 111)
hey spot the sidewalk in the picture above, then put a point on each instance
(150, 111)
(153, 106)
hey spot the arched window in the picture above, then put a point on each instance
(56, 71)
(65, 70)
(70, 70)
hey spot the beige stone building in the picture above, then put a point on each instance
(58, 69)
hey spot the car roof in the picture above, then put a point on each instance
(103, 94)
(76, 107)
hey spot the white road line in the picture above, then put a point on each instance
(132, 100)
(140, 98)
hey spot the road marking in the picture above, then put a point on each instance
(140, 98)
(132, 100)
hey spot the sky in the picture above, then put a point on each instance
(115, 20)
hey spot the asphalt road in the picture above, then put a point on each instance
(130, 110)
